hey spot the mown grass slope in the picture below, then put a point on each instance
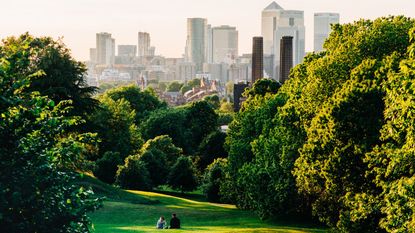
(138, 211)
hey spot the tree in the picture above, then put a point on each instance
(115, 124)
(159, 155)
(201, 120)
(60, 77)
(182, 175)
(133, 174)
(212, 179)
(142, 102)
(174, 86)
(107, 166)
(38, 149)
(169, 122)
(213, 100)
(211, 148)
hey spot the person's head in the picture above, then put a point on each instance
(161, 217)
(173, 215)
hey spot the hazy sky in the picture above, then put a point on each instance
(78, 20)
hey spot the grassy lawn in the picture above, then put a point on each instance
(137, 211)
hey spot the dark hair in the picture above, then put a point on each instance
(174, 215)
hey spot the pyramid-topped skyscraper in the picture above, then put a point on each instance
(273, 6)
(277, 23)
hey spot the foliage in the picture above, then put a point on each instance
(159, 155)
(142, 102)
(59, 76)
(201, 119)
(115, 124)
(107, 166)
(213, 100)
(212, 179)
(133, 174)
(211, 148)
(38, 148)
(226, 107)
(194, 82)
(225, 118)
(182, 175)
(194, 121)
(174, 86)
(185, 88)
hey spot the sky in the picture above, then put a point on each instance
(77, 21)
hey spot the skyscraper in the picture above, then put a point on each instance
(257, 59)
(224, 44)
(322, 28)
(105, 48)
(269, 24)
(286, 63)
(197, 41)
(143, 44)
(276, 23)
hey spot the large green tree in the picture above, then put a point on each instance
(37, 150)
(60, 77)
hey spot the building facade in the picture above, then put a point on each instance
(322, 28)
(257, 59)
(105, 49)
(197, 41)
(224, 44)
(276, 23)
(143, 44)
(286, 63)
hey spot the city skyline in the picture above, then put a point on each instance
(78, 21)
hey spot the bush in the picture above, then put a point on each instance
(133, 174)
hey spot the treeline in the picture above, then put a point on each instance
(145, 144)
(337, 140)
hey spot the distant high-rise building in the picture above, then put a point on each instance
(105, 48)
(322, 28)
(257, 59)
(93, 55)
(286, 62)
(209, 53)
(127, 50)
(196, 43)
(276, 23)
(143, 44)
(269, 23)
(224, 44)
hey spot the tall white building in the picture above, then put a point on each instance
(197, 42)
(105, 48)
(224, 44)
(269, 18)
(276, 23)
(322, 28)
(143, 44)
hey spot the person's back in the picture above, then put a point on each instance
(174, 222)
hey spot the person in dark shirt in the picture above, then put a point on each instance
(174, 222)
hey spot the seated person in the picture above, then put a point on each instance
(161, 223)
(174, 222)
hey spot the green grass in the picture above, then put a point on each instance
(138, 211)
